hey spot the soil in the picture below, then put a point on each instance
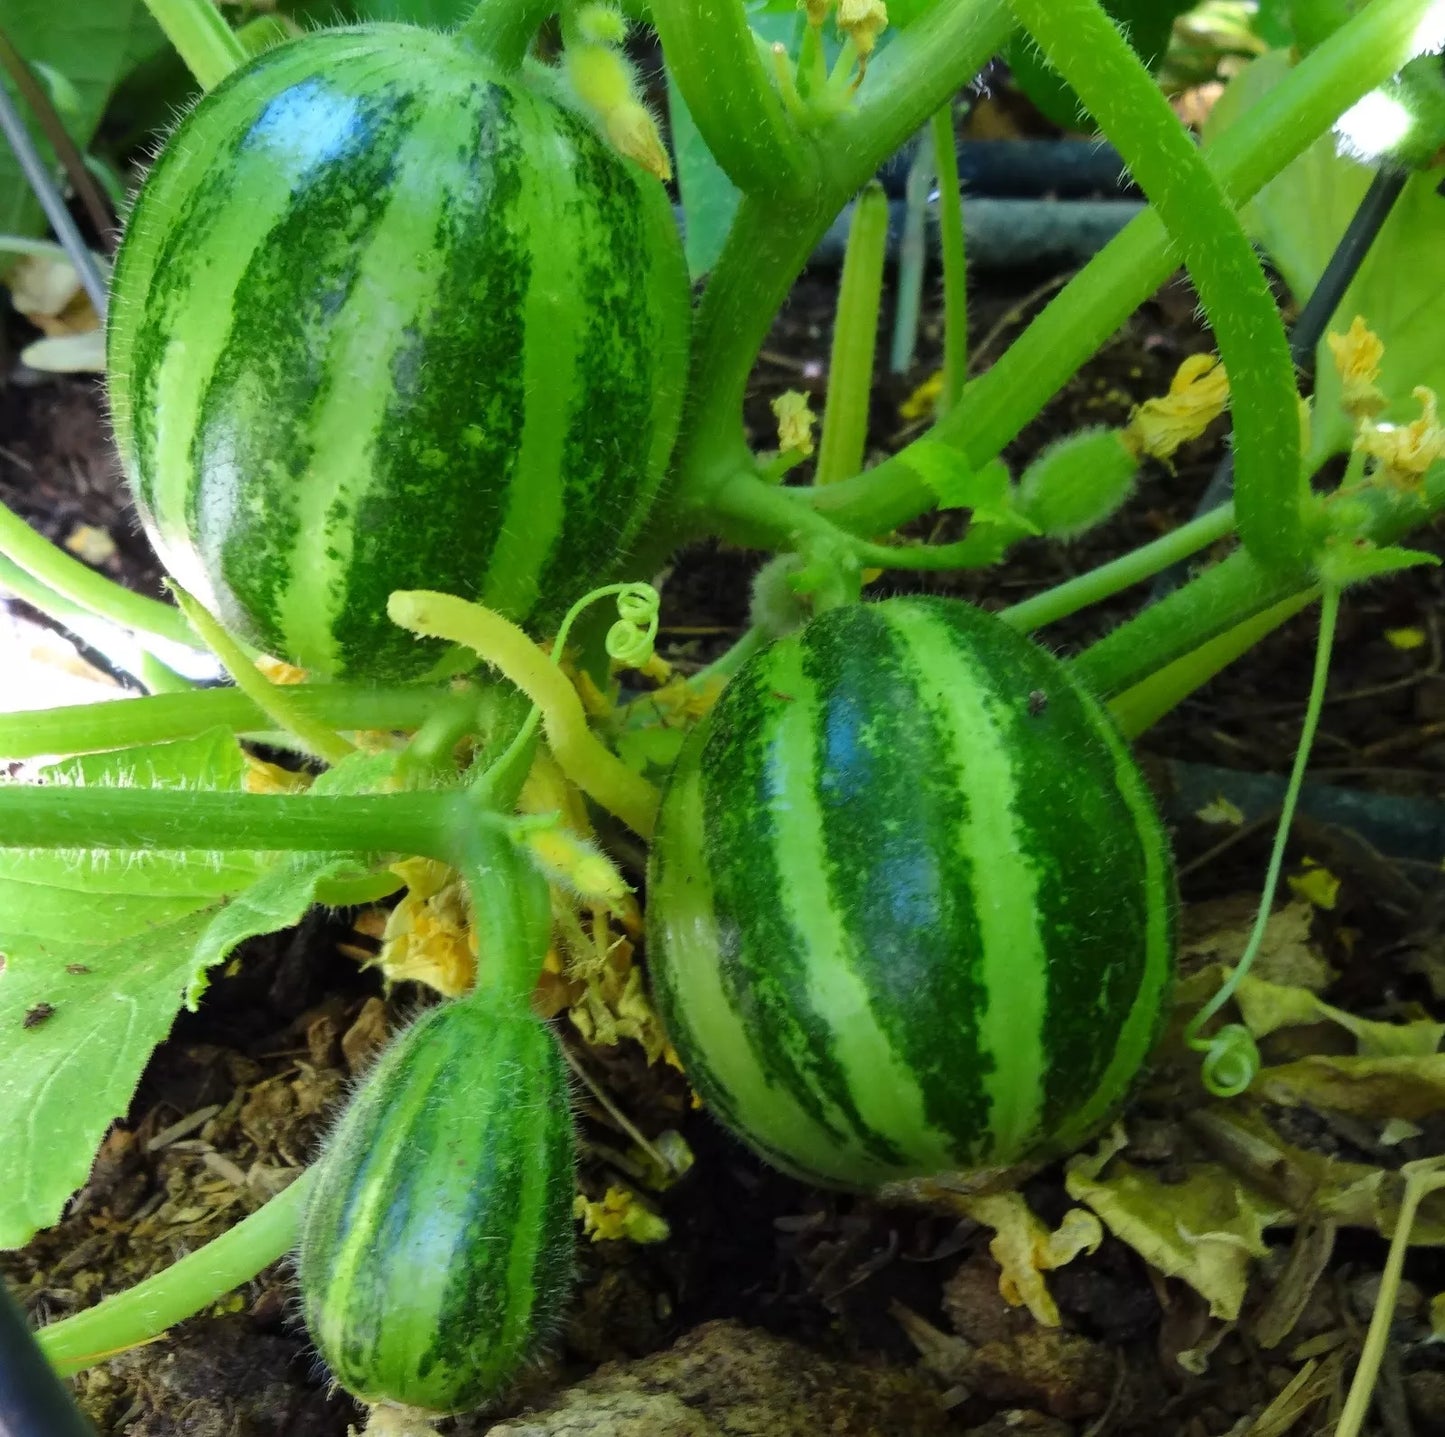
(905, 1297)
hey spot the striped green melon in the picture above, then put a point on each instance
(437, 1244)
(910, 907)
(384, 318)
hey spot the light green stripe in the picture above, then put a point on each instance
(685, 896)
(534, 514)
(884, 1088)
(1138, 1031)
(396, 281)
(1014, 976)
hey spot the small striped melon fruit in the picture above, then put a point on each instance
(436, 1247)
(910, 905)
(384, 318)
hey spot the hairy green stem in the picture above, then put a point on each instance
(1234, 590)
(1121, 573)
(432, 825)
(1141, 707)
(713, 60)
(855, 340)
(180, 1291)
(504, 30)
(1086, 47)
(80, 584)
(772, 237)
(511, 912)
(951, 242)
(274, 700)
(1001, 401)
(201, 36)
(92, 728)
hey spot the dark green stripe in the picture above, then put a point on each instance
(764, 963)
(447, 447)
(906, 895)
(609, 435)
(1092, 897)
(252, 444)
(479, 1170)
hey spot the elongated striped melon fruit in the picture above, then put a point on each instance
(437, 1245)
(910, 907)
(383, 319)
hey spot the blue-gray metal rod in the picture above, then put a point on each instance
(33, 168)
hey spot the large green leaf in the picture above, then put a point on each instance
(1298, 219)
(85, 47)
(101, 950)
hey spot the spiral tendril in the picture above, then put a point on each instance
(629, 641)
(1231, 1059)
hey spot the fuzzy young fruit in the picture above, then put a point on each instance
(910, 906)
(437, 1244)
(386, 318)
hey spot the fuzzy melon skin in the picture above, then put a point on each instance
(910, 904)
(385, 318)
(436, 1253)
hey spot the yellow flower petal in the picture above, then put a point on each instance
(1357, 354)
(1197, 396)
(795, 423)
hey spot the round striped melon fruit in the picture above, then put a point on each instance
(910, 905)
(385, 318)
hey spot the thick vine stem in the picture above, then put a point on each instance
(714, 62)
(429, 825)
(1000, 402)
(201, 36)
(161, 718)
(504, 30)
(1085, 46)
(772, 237)
(180, 1291)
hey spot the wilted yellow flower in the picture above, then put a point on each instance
(1197, 396)
(619, 1214)
(428, 936)
(263, 777)
(862, 21)
(922, 403)
(1405, 451)
(795, 423)
(278, 671)
(1357, 355)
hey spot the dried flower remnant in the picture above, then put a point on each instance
(1198, 395)
(1357, 354)
(795, 423)
(1404, 453)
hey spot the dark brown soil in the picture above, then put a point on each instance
(259, 1068)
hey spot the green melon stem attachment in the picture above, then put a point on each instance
(586, 761)
(511, 912)
(274, 700)
(504, 30)
(1231, 1058)
(201, 36)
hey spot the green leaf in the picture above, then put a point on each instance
(1299, 217)
(1352, 564)
(1146, 23)
(100, 952)
(90, 45)
(953, 481)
